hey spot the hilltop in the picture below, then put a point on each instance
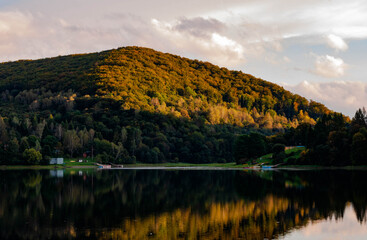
(146, 105)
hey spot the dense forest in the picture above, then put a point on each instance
(333, 141)
(136, 104)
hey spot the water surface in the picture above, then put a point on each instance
(183, 204)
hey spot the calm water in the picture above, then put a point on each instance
(183, 204)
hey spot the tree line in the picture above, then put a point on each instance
(333, 141)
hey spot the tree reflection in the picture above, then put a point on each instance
(131, 204)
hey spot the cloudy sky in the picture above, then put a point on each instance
(316, 48)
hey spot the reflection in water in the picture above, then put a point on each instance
(158, 204)
(57, 173)
(332, 228)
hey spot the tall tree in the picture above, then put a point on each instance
(71, 141)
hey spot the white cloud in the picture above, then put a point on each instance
(329, 66)
(202, 40)
(228, 44)
(336, 42)
(340, 96)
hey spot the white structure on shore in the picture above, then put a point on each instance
(56, 161)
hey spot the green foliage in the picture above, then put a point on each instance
(145, 79)
(104, 158)
(333, 141)
(359, 147)
(32, 156)
(138, 105)
(249, 146)
(49, 144)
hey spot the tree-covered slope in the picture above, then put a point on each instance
(138, 104)
(56, 74)
(145, 79)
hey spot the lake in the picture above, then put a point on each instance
(183, 204)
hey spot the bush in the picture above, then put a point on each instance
(32, 156)
(104, 158)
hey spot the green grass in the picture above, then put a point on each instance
(267, 159)
(219, 165)
(68, 163)
(296, 153)
(72, 167)
(72, 162)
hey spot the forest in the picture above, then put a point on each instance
(135, 104)
(333, 141)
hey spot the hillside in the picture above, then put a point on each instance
(145, 79)
(188, 110)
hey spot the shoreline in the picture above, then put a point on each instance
(184, 166)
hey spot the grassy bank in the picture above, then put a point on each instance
(73, 163)
(294, 153)
(68, 163)
(217, 165)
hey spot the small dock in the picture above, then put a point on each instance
(109, 166)
(103, 166)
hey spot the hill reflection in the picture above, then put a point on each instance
(156, 204)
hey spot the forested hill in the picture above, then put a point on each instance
(145, 79)
(136, 104)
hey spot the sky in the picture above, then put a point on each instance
(315, 48)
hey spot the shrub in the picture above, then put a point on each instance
(32, 156)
